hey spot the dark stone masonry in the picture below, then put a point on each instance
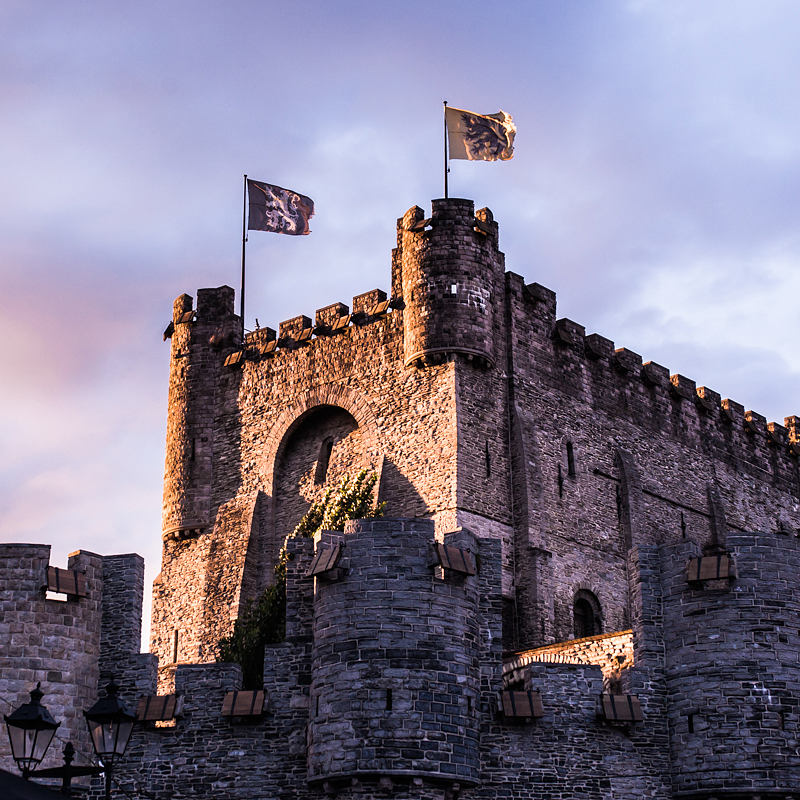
(632, 626)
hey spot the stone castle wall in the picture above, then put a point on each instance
(478, 408)
(715, 671)
(645, 449)
(72, 646)
(569, 468)
(733, 668)
(54, 641)
(395, 679)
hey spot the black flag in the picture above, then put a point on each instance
(278, 210)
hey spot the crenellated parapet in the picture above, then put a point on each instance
(615, 379)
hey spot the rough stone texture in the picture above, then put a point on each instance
(733, 669)
(72, 646)
(395, 661)
(572, 470)
(612, 652)
(54, 641)
(715, 670)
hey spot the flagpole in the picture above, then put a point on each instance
(244, 239)
(446, 170)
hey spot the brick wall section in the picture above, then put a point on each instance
(121, 630)
(52, 641)
(123, 592)
(732, 669)
(570, 753)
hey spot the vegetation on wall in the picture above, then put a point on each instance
(264, 622)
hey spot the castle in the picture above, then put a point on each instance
(587, 584)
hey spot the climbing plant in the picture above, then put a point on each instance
(264, 622)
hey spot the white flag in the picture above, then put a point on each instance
(480, 137)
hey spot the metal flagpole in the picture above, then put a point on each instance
(446, 169)
(244, 239)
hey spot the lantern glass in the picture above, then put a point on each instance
(110, 725)
(30, 731)
(110, 738)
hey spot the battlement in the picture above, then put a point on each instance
(617, 382)
(390, 679)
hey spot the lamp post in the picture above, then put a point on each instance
(67, 772)
(30, 730)
(110, 725)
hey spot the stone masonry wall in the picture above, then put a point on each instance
(395, 679)
(733, 671)
(570, 752)
(618, 416)
(56, 642)
(612, 652)
(359, 371)
(716, 672)
(479, 409)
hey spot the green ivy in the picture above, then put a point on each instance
(264, 622)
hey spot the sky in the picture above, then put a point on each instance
(654, 187)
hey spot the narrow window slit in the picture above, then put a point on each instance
(388, 699)
(323, 461)
(488, 461)
(175, 640)
(570, 460)
(690, 719)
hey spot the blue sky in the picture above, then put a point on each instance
(654, 187)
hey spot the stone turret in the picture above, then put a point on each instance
(731, 667)
(395, 680)
(451, 269)
(195, 363)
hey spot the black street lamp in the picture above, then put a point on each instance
(30, 730)
(67, 772)
(110, 725)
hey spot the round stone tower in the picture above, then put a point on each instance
(733, 676)
(195, 363)
(394, 663)
(452, 275)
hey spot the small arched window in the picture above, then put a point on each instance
(322, 462)
(586, 615)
